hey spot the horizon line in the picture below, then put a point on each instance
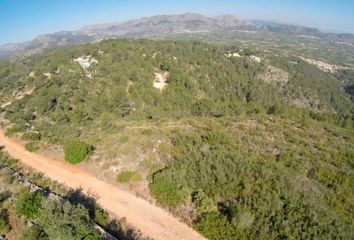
(275, 21)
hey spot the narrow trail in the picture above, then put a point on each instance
(151, 220)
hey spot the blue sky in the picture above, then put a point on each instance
(22, 20)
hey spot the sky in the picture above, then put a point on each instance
(22, 20)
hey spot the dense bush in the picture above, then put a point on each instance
(203, 203)
(101, 217)
(205, 108)
(51, 217)
(211, 164)
(216, 226)
(202, 82)
(62, 220)
(31, 136)
(288, 219)
(253, 197)
(28, 204)
(34, 232)
(168, 192)
(93, 236)
(76, 151)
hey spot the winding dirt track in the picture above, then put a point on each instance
(151, 220)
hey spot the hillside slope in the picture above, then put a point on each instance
(78, 84)
(238, 142)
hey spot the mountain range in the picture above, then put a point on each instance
(163, 26)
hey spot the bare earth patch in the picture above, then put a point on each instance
(19, 96)
(160, 81)
(275, 75)
(85, 62)
(326, 67)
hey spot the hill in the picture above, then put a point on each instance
(167, 26)
(238, 142)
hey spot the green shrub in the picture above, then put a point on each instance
(101, 217)
(28, 204)
(146, 132)
(93, 236)
(203, 203)
(215, 226)
(275, 109)
(325, 176)
(32, 146)
(205, 108)
(34, 232)
(11, 131)
(31, 136)
(4, 227)
(168, 192)
(63, 220)
(75, 151)
(126, 176)
(165, 67)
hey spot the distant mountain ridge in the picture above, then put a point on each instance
(161, 26)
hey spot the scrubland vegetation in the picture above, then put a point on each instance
(303, 190)
(126, 176)
(33, 207)
(250, 159)
(75, 151)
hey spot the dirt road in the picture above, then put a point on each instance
(151, 220)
